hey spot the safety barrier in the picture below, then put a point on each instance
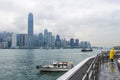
(88, 69)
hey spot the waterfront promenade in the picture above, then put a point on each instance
(94, 68)
(109, 71)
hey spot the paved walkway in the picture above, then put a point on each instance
(109, 71)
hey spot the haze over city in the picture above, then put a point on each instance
(96, 20)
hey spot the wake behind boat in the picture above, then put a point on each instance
(56, 66)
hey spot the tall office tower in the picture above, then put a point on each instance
(84, 44)
(53, 42)
(63, 43)
(50, 39)
(72, 42)
(41, 40)
(30, 30)
(58, 42)
(36, 41)
(22, 40)
(3, 45)
(46, 38)
(77, 42)
(14, 40)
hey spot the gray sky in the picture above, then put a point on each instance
(97, 21)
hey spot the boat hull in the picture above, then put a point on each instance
(86, 50)
(53, 70)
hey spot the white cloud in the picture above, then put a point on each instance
(94, 20)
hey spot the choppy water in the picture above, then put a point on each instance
(20, 64)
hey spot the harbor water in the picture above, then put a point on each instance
(20, 64)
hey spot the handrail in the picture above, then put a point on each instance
(91, 70)
(71, 72)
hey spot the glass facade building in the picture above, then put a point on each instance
(58, 42)
(41, 40)
(30, 30)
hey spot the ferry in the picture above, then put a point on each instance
(86, 49)
(56, 66)
(97, 67)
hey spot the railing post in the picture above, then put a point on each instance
(87, 77)
(96, 67)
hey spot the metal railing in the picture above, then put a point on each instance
(93, 71)
(89, 70)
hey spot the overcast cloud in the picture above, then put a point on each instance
(97, 21)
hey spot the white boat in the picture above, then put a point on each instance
(56, 66)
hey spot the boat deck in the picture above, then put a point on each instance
(109, 71)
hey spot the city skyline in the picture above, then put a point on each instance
(44, 40)
(96, 20)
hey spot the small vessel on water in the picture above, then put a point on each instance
(86, 49)
(56, 66)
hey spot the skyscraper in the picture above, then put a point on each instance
(14, 40)
(53, 42)
(77, 42)
(72, 42)
(46, 38)
(58, 42)
(41, 40)
(30, 30)
(84, 44)
(22, 40)
(50, 39)
(63, 43)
